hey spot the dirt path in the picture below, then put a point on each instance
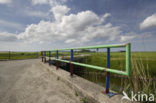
(27, 81)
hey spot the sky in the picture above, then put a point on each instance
(34, 25)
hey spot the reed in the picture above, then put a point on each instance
(141, 79)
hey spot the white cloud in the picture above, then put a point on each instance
(59, 11)
(39, 2)
(70, 40)
(149, 22)
(105, 16)
(127, 37)
(11, 24)
(36, 13)
(79, 22)
(37, 32)
(5, 1)
(82, 27)
(7, 37)
(50, 2)
(134, 36)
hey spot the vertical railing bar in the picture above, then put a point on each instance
(57, 56)
(71, 59)
(44, 56)
(49, 57)
(49, 54)
(108, 73)
(128, 59)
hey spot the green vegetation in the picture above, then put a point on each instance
(85, 50)
(84, 100)
(143, 71)
(18, 55)
(58, 78)
(76, 94)
(148, 60)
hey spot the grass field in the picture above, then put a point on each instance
(18, 55)
(146, 59)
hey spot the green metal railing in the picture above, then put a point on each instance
(128, 53)
(107, 69)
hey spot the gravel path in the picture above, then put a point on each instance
(27, 81)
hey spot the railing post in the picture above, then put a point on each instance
(49, 57)
(71, 59)
(57, 56)
(108, 73)
(128, 58)
(49, 54)
(44, 56)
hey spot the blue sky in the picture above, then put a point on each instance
(50, 24)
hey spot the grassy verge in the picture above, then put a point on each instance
(18, 55)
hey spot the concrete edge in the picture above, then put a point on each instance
(83, 87)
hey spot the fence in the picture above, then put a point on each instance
(47, 55)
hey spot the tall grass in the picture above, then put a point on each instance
(140, 80)
(142, 72)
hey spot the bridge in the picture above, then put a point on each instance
(32, 81)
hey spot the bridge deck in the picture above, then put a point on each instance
(27, 81)
(31, 81)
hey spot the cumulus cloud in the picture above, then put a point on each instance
(51, 2)
(37, 32)
(134, 36)
(82, 27)
(35, 13)
(105, 16)
(149, 22)
(5, 1)
(7, 37)
(39, 2)
(127, 37)
(59, 11)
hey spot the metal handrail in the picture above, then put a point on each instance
(107, 69)
(128, 52)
